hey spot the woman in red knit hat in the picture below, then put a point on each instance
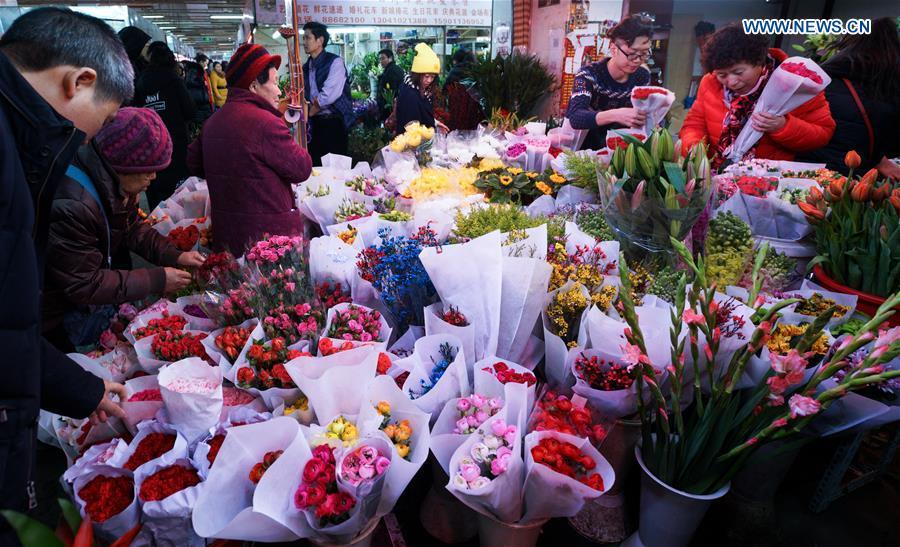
(248, 157)
(95, 215)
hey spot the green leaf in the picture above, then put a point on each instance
(70, 513)
(31, 532)
(675, 175)
(815, 261)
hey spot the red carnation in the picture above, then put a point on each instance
(106, 497)
(168, 481)
(151, 447)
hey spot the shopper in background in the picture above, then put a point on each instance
(196, 81)
(94, 215)
(137, 45)
(219, 84)
(54, 94)
(738, 66)
(465, 112)
(601, 92)
(418, 92)
(864, 98)
(388, 83)
(160, 89)
(248, 156)
(328, 92)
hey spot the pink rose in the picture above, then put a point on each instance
(108, 340)
(463, 405)
(382, 464)
(481, 416)
(498, 428)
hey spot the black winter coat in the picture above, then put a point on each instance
(36, 145)
(160, 89)
(391, 78)
(413, 107)
(851, 132)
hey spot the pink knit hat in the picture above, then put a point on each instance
(136, 141)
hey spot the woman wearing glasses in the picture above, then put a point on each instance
(601, 93)
(738, 66)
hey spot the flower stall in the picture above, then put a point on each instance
(537, 327)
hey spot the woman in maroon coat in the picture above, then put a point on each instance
(249, 158)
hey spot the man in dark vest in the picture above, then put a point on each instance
(328, 92)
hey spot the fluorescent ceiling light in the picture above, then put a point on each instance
(166, 28)
(235, 17)
(152, 16)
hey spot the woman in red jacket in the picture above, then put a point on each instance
(738, 67)
(249, 158)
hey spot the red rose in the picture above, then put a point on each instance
(344, 503)
(328, 507)
(282, 375)
(255, 352)
(245, 375)
(328, 475)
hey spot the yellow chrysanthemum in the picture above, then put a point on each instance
(543, 188)
(514, 171)
(557, 179)
(531, 175)
(506, 180)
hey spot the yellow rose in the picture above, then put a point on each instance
(390, 431)
(402, 450)
(383, 407)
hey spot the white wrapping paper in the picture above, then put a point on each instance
(384, 334)
(138, 411)
(524, 285)
(219, 356)
(519, 397)
(168, 521)
(656, 106)
(435, 325)
(179, 449)
(192, 414)
(224, 508)
(454, 382)
(337, 383)
(470, 276)
(783, 93)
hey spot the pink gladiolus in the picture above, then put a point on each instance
(792, 366)
(777, 384)
(632, 356)
(693, 318)
(775, 400)
(803, 406)
(780, 422)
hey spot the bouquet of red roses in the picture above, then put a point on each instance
(171, 346)
(106, 495)
(567, 459)
(184, 238)
(161, 324)
(232, 341)
(556, 412)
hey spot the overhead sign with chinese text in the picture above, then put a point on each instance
(421, 13)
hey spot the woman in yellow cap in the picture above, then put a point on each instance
(415, 102)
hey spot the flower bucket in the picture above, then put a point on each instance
(668, 516)
(364, 539)
(866, 303)
(493, 533)
(603, 519)
(442, 515)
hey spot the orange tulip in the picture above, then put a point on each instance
(814, 196)
(861, 191)
(852, 159)
(881, 193)
(836, 188)
(811, 211)
(895, 199)
(870, 177)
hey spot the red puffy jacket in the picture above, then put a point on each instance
(808, 127)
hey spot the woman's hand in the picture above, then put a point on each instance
(767, 123)
(888, 168)
(107, 407)
(176, 279)
(629, 117)
(441, 127)
(193, 259)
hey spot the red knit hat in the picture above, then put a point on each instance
(136, 141)
(247, 64)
